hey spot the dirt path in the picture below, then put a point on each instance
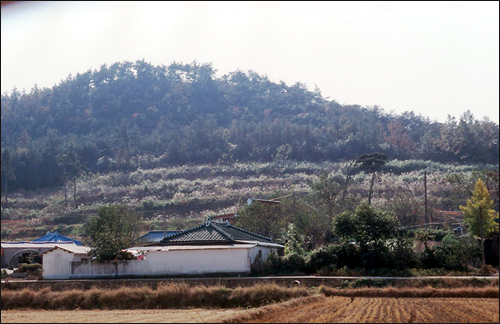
(120, 316)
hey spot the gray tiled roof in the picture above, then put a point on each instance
(211, 232)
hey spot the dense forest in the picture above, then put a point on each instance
(135, 115)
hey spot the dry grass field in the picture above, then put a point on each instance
(313, 309)
(196, 315)
(383, 310)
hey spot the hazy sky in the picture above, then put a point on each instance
(433, 58)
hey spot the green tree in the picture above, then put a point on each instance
(373, 232)
(283, 153)
(479, 214)
(293, 240)
(327, 191)
(314, 225)
(371, 163)
(261, 218)
(366, 225)
(7, 170)
(331, 190)
(111, 231)
(69, 160)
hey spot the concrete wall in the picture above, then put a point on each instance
(56, 264)
(254, 253)
(157, 263)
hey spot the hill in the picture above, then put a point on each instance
(180, 197)
(180, 144)
(136, 115)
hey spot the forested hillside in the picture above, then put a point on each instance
(130, 115)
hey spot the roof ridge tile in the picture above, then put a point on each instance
(249, 232)
(182, 232)
(220, 230)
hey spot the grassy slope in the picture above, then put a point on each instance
(184, 195)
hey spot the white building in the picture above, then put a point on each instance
(206, 249)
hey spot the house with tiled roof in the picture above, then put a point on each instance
(208, 249)
(211, 247)
(217, 233)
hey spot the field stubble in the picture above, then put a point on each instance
(385, 310)
(312, 309)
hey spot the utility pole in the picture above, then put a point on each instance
(425, 198)
(164, 225)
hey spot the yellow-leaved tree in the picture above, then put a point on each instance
(479, 213)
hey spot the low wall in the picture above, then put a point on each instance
(157, 264)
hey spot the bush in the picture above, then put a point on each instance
(169, 296)
(454, 253)
(403, 254)
(25, 267)
(294, 263)
(372, 256)
(322, 258)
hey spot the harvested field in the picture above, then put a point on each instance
(313, 309)
(380, 310)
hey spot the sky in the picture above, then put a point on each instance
(433, 58)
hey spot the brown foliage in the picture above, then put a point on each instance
(427, 292)
(166, 296)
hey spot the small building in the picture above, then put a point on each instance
(58, 260)
(262, 201)
(56, 237)
(224, 218)
(14, 253)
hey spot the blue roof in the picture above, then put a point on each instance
(56, 237)
(155, 236)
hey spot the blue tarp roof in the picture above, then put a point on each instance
(56, 237)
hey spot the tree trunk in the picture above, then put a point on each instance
(74, 192)
(6, 180)
(65, 193)
(371, 188)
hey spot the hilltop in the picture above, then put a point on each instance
(180, 144)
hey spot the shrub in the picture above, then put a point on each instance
(5, 232)
(294, 263)
(322, 258)
(403, 254)
(25, 267)
(167, 296)
(454, 253)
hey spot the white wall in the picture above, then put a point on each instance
(254, 252)
(156, 263)
(199, 261)
(56, 264)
